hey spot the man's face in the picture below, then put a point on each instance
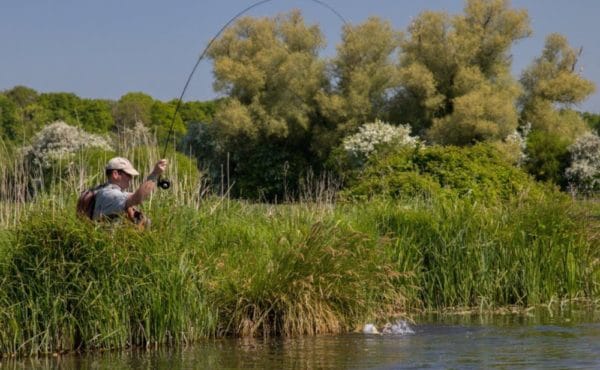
(121, 178)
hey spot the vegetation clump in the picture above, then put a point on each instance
(59, 140)
(478, 172)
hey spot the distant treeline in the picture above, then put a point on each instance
(24, 112)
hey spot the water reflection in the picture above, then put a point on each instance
(465, 342)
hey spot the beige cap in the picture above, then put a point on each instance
(120, 163)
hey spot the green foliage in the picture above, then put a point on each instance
(547, 156)
(161, 117)
(593, 121)
(552, 85)
(268, 172)
(8, 117)
(61, 107)
(364, 73)
(479, 173)
(459, 253)
(196, 111)
(251, 270)
(455, 73)
(96, 115)
(22, 95)
(76, 285)
(288, 272)
(132, 108)
(238, 271)
(270, 71)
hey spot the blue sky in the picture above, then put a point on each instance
(104, 49)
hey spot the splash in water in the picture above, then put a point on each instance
(399, 327)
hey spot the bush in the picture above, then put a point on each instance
(59, 140)
(478, 172)
(583, 174)
(372, 137)
(547, 157)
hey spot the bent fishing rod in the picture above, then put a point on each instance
(165, 183)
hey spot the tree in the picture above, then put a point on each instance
(552, 86)
(96, 115)
(196, 111)
(61, 107)
(161, 120)
(593, 120)
(364, 73)
(132, 108)
(22, 96)
(8, 117)
(270, 72)
(455, 73)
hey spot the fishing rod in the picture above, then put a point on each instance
(165, 183)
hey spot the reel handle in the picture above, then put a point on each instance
(163, 183)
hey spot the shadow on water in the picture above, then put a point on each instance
(531, 340)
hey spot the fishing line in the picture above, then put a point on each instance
(164, 183)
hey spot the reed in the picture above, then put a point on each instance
(215, 266)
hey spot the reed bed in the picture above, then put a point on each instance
(212, 266)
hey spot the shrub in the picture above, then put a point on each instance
(60, 140)
(372, 137)
(478, 172)
(547, 156)
(583, 174)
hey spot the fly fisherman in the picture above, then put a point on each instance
(112, 200)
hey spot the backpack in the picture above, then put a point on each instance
(87, 201)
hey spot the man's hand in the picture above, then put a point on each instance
(147, 186)
(160, 167)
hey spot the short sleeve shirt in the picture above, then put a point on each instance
(110, 201)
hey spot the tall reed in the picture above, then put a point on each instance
(215, 266)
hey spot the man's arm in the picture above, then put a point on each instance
(148, 186)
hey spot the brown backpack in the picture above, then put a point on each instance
(87, 202)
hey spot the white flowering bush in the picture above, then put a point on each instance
(584, 172)
(518, 140)
(372, 136)
(59, 140)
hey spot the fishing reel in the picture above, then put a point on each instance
(163, 183)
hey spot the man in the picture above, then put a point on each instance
(113, 200)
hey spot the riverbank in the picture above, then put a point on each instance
(233, 268)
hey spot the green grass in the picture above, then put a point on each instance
(217, 267)
(233, 268)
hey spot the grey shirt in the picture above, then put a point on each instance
(110, 201)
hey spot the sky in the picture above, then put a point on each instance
(105, 49)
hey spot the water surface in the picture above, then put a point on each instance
(461, 342)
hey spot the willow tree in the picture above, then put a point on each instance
(270, 72)
(363, 72)
(455, 77)
(552, 86)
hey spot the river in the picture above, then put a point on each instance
(516, 341)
